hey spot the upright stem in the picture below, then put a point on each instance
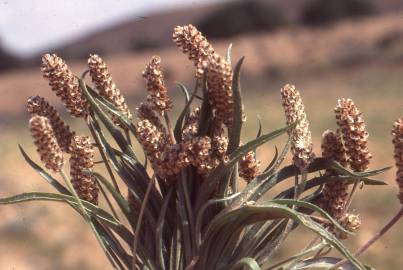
(138, 226)
(375, 238)
(169, 127)
(104, 158)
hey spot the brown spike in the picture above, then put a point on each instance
(45, 141)
(397, 133)
(146, 111)
(158, 94)
(103, 81)
(335, 193)
(63, 83)
(219, 84)
(301, 139)
(37, 105)
(194, 44)
(355, 136)
(249, 167)
(82, 160)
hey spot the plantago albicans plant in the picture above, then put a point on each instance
(181, 208)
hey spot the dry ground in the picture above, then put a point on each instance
(362, 60)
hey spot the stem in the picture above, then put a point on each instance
(101, 151)
(169, 127)
(376, 237)
(138, 226)
(108, 201)
(81, 206)
(127, 133)
(350, 198)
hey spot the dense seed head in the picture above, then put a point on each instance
(194, 44)
(397, 133)
(351, 222)
(82, 160)
(63, 83)
(301, 139)
(37, 105)
(200, 154)
(219, 84)
(152, 140)
(249, 167)
(157, 92)
(103, 81)
(146, 111)
(45, 141)
(173, 159)
(335, 193)
(355, 135)
(191, 126)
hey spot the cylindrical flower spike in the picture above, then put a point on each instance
(219, 84)
(200, 154)
(63, 83)
(335, 193)
(158, 94)
(355, 136)
(103, 81)
(82, 160)
(173, 159)
(301, 139)
(194, 44)
(397, 133)
(45, 141)
(146, 111)
(37, 105)
(152, 140)
(249, 167)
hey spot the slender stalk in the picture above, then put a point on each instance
(375, 238)
(108, 201)
(101, 151)
(140, 219)
(81, 206)
(169, 127)
(127, 133)
(350, 198)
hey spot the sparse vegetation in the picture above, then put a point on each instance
(182, 206)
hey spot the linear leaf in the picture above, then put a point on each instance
(59, 187)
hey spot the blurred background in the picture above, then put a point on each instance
(328, 48)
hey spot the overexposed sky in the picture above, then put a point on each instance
(27, 26)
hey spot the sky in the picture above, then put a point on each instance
(27, 26)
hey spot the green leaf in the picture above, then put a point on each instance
(159, 244)
(59, 187)
(113, 130)
(235, 131)
(248, 263)
(314, 208)
(325, 263)
(209, 185)
(120, 200)
(248, 215)
(185, 111)
(205, 110)
(43, 196)
(317, 181)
